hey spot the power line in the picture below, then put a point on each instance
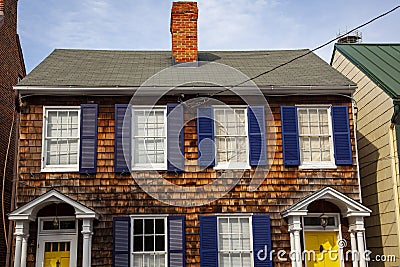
(309, 52)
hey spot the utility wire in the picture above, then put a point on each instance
(309, 52)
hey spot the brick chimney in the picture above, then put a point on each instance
(184, 15)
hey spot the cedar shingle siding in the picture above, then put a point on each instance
(112, 194)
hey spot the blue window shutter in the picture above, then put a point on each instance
(208, 241)
(88, 139)
(341, 135)
(257, 136)
(262, 240)
(290, 136)
(176, 241)
(121, 241)
(175, 138)
(123, 139)
(205, 136)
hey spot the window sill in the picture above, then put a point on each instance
(149, 168)
(59, 169)
(232, 166)
(314, 166)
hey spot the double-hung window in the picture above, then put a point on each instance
(315, 136)
(234, 242)
(231, 138)
(149, 242)
(61, 139)
(149, 138)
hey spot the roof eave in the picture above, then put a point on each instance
(124, 91)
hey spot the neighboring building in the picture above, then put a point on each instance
(103, 183)
(12, 68)
(375, 68)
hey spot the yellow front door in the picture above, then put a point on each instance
(321, 249)
(56, 254)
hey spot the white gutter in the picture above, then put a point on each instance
(156, 90)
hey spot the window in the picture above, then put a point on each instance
(149, 138)
(61, 139)
(234, 243)
(231, 138)
(315, 136)
(149, 242)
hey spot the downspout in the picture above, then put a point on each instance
(355, 114)
(395, 164)
(15, 177)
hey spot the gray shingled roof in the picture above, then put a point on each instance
(103, 68)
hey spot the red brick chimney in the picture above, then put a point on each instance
(184, 15)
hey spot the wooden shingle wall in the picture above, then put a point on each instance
(118, 195)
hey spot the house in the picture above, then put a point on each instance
(153, 158)
(376, 70)
(12, 69)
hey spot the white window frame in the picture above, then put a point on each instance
(153, 217)
(67, 235)
(59, 168)
(251, 252)
(318, 164)
(232, 165)
(149, 166)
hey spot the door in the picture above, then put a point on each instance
(57, 254)
(321, 249)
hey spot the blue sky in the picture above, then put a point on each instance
(223, 24)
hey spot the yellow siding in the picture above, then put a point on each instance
(375, 109)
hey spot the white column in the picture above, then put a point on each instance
(87, 246)
(21, 243)
(295, 242)
(361, 248)
(354, 255)
(292, 248)
(356, 226)
(24, 250)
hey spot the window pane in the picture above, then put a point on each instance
(235, 260)
(149, 243)
(224, 260)
(303, 121)
(137, 243)
(149, 226)
(159, 226)
(246, 260)
(138, 227)
(160, 243)
(138, 260)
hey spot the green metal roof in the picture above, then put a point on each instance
(380, 62)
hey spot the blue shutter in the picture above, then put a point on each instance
(208, 241)
(341, 135)
(205, 136)
(257, 136)
(290, 136)
(88, 139)
(123, 140)
(175, 138)
(121, 241)
(176, 241)
(262, 240)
